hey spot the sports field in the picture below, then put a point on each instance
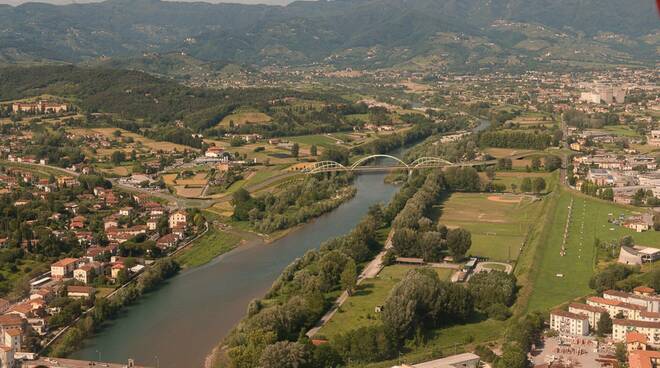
(558, 279)
(498, 223)
(359, 310)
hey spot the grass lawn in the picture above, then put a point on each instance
(206, 248)
(621, 131)
(358, 311)
(588, 222)
(498, 228)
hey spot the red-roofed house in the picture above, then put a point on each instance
(644, 359)
(63, 268)
(636, 341)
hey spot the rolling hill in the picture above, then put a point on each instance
(457, 34)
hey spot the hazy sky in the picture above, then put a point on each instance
(277, 2)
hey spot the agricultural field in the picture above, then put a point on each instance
(359, 309)
(320, 140)
(244, 116)
(558, 279)
(148, 143)
(498, 223)
(189, 186)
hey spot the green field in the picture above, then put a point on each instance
(621, 131)
(245, 116)
(589, 221)
(206, 248)
(320, 140)
(358, 311)
(498, 228)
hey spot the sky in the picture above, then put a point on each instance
(60, 2)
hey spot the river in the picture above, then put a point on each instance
(178, 325)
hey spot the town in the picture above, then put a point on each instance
(492, 202)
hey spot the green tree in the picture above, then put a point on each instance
(552, 162)
(621, 353)
(604, 324)
(295, 150)
(536, 163)
(313, 150)
(285, 354)
(459, 242)
(513, 357)
(538, 185)
(526, 185)
(349, 277)
(117, 157)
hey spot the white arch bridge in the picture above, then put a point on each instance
(360, 165)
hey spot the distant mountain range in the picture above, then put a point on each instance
(415, 34)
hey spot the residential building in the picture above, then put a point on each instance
(167, 241)
(178, 218)
(116, 268)
(79, 292)
(84, 273)
(569, 323)
(621, 327)
(63, 268)
(644, 359)
(591, 312)
(636, 341)
(40, 107)
(214, 152)
(614, 307)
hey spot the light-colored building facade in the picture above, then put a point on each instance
(569, 323)
(591, 312)
(621, 327)
(63, 268)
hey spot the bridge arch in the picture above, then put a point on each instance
(324, 166)
(361, 161)
(429, 161)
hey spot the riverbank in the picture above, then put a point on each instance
(182, 321)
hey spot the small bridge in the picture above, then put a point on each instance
(360, 165)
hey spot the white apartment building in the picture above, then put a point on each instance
(569, 323)
(614, 307)
(650, 303)
(591, 312)
(620, 327)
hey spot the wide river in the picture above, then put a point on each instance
(178, 325)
